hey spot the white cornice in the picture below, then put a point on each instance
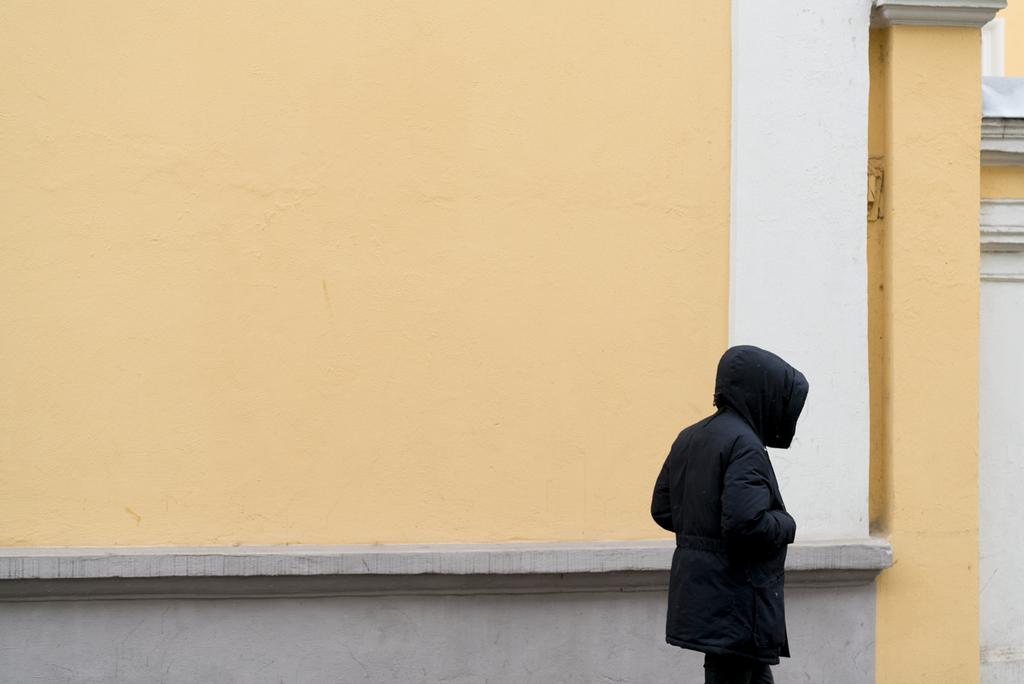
(127, 572)
(1002, 142)
(1002, 225)
(975, 13)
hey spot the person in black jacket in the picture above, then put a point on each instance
(718, 493)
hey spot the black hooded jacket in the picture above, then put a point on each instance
(718, 492)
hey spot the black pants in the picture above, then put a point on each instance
(729, 670)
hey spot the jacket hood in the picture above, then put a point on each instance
(764, 390)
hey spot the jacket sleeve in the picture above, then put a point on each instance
(661, 504)
(747, 515)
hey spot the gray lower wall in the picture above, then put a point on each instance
(519, 612)
(456, 639)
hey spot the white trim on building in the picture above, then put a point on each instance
(993, 47)
(1002, 225)
(391, 569)
(935, 12)
(798, 271)
(1002, 142)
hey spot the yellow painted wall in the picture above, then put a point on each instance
(1013, 37)
(1002, 182)
(331, 272)
(926, 364)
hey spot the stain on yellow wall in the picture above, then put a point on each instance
(355, 272)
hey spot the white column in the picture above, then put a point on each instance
(798, 278)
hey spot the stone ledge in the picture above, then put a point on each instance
(1002, 225)
(510, 558)
(1002, 141)
(301, 570)
(970, 13)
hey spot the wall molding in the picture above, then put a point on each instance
(1002, 225)
(970, 13)
(77, 573)
(1002, 240)
(1002, 142)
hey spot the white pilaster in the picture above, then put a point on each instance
(798, 278)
